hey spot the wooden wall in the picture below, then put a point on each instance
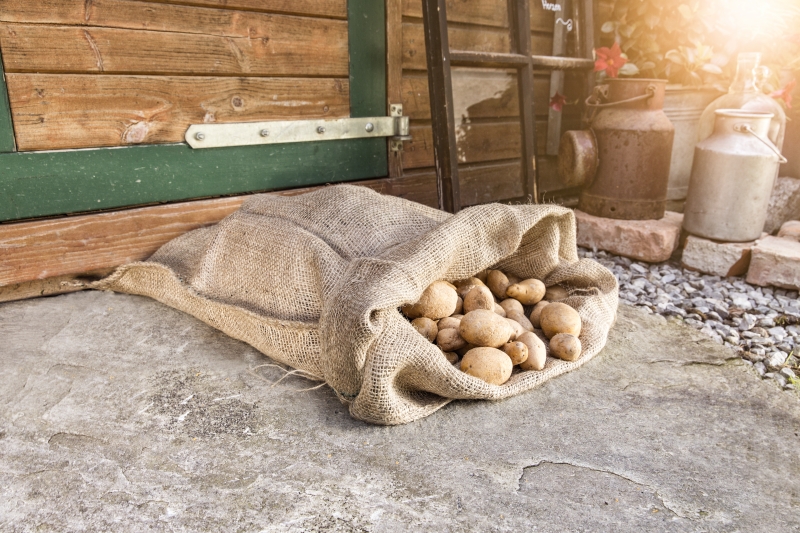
(91, 73)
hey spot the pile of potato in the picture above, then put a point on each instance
(495, 321)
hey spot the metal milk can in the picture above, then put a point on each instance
(623, 161)
(732, 177)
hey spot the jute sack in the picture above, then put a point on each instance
(315, 282)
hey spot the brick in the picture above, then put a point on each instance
(775, 261)
(790, 230)
(652, 241)
(716, 258)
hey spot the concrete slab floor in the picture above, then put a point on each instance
(120, 414)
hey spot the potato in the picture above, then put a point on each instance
(463, 286)
(517, 327)
(437, 301)
(456, 315)
(498, 283)
(426, 327)
(459, 306)
(528, 292)
(517, 351)
(522, 320)
(479, 297)
(489, 364)
(555, 293)
(558, 318)
(510, 304)
(449, 322)
(449, 340)
(537, 352)
(482, 275)
(452, 357)
(485, 328)
(499, 310)
(536, 313)
(565, 346)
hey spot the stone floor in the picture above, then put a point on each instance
(119, 414)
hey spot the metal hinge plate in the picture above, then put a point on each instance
(295, 131)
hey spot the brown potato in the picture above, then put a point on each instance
(426, 327)
(499, 310)
(510, 304)
(498, 283)
(485, 328)
(449, 340)
(555, 293)
(565, 346)
(488, 364)
(528, 291)
(459, 306)
(437, 301)
(522, 320)
(457, 315)
(479, 297)
(517, 327)
(537, 312)
(558, 318)
(452, 357)
(449, 322)
(517, 351)
(537, 352)
(463, 286)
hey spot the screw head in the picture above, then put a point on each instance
(369, 126)
(264, 133)
(199, 135)
(321, 129)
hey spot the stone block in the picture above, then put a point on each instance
(784, 203)
(716, 258)
(651, 241)
(775, 261)
(790, 230)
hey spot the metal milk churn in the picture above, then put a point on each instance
(732, 177)
(623, 161)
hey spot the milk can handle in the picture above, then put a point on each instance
(745, 128)
(651, 91)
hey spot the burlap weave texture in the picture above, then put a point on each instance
(315, 282)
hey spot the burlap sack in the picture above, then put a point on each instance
(315, 282)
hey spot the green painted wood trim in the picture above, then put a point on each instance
(38, 184)
(7, 143)
(35, 184)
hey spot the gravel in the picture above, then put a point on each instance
(762, 324)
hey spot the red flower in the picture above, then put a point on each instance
(610, 60)
(785, 94)
(557, 101)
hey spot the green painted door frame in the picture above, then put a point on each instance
(37, 184)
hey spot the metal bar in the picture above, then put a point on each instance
(293, 131)
(557, 84)
(519, 19)
(584, 41)
(7, 140)
(561, 63)
(440, 87)
(462, 58)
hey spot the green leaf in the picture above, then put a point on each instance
(648, 65)
(629, 69)
(652, 20)
(686, 11)
(712, 69)
(608, 27)
(676, 57)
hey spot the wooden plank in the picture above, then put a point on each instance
(7, 143)
(479, 39)
(36, 184)
(477, 142)
(296, 47)
(53, 111)
(328, 8)
(139, 15)
(483, 12)
(394, 72)
(481, 93)
(49, 286)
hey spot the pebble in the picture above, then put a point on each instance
(761, 323)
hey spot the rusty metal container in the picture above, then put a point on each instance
(630, 145)
(732, 178)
